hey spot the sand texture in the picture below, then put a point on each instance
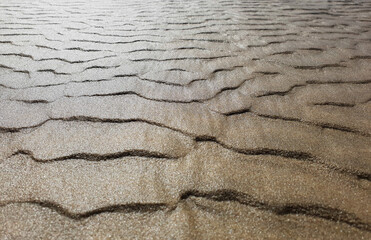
(195, 119)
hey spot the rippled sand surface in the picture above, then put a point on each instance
(185, 119)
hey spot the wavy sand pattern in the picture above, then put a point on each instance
(185, 119)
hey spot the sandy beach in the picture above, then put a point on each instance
(191, 119)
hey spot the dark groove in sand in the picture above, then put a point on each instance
(222, 195)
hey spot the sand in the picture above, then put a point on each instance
(185, 119)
